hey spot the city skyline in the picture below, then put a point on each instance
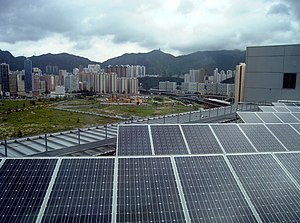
(101, 30)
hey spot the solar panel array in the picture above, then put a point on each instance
(207, 139)
(270, 117)
(273, 193)
(211, 192)
(259, 187)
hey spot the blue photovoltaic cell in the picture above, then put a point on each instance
(287, 117)
(267, 108)
(201, 139)
(294, 109)
(232, 139)
(273, 194)
(291, 161)
(249, 117)
(268, 117)
(281, 109)
(297, 115)
(23, 185)
(134, 140)
(211, 192)
(278, 104)
(168, 140)
(261, 138)
(147, 191)
(297, 127)
(82, 191)
(287, 135)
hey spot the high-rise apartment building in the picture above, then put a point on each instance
(28, 75)
(240, 78)
(4, 78)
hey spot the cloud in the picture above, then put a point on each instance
(115, 27)
(279, 8)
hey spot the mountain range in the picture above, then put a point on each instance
(156, 61)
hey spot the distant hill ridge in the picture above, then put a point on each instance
(156, 61)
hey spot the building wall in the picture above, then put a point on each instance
(265, 71)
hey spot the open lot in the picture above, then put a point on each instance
(19, 118)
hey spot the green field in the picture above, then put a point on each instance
(41, 118)
(19, 118)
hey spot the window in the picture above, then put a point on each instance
(289, 80)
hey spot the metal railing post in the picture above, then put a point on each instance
(79, 136)
(177, 118)
(218, 112)
(5, 147)
(105, 131)
(164, 119)
(208, 113)
(190, 116)
(46, 143)
(200, 114)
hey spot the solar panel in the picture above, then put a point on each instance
(267, 108)
(294, 109)
(271, 191)
(134, 140)
(167, 139)
(201, 139)
(268, 117)
(297, 127)
(82, 191)
(297, 115)
(289, 104)
(147, 191)
(249, 117)
(291, 162)
(287, 135)
(278, 104)
(261, 138)
(232, 139)
(287, 117)
(23, 185)
(210, 190)
(281, 109)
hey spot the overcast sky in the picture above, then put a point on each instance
(102, 29)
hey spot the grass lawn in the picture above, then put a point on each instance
(41, 119)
